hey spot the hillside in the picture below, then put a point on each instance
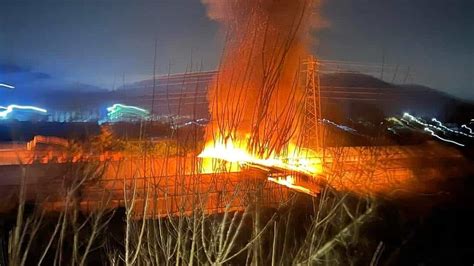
(344, 95)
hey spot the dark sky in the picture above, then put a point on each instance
(100, 41)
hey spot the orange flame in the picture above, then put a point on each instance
(235, 154)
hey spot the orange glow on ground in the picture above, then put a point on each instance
(290, 182)
(228, 155)
(389, 171)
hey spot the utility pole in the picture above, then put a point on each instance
(311, 129)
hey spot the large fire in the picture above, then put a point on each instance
(255, 103)
(255, 100)
(232, 156)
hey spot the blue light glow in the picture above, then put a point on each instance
(118, 110)
(9, 109)
(6, 86)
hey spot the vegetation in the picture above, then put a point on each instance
(248, 222)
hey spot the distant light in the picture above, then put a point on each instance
(450, 130)
(10, 108)
(123, 106)
(440, 127)
(7, 86)
(343, 127)
(412, 118)
(117, 110)
(468, 128)
(443, 139)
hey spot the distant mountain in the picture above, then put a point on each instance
(343, 95)
(365, 96)
(18, 75)
(352, 80)
(41, 89)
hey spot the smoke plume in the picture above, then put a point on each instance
(257, 94)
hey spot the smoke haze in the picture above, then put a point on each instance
(257, 93)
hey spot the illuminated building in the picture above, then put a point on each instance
(121, 112)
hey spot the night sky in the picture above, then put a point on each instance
(103, 42)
